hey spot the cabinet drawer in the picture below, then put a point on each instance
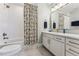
(59, 38)
(72, 50)
(48, 35)
(69, 54)
(73, 42)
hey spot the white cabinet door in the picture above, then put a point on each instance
(52, 45)
(46, 42)
(57, 47)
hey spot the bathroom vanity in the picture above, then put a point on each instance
(61, 44)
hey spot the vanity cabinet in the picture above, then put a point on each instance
(61, 44)
(54, 44)
(72, 47)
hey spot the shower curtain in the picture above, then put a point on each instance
(30, 24)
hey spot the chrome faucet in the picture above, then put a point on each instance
(5, 36)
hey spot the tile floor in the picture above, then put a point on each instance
(34, 50)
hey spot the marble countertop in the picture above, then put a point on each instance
(75, 36)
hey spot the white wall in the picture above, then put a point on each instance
(11, 22)
(43, 13)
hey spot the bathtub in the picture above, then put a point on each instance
(10, 49)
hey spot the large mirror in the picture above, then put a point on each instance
(64, 16)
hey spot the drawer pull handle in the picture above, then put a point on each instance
(73, 51)
(73, 42)
(58, 39)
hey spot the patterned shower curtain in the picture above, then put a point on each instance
(30, 24)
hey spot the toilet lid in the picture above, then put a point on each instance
(9, 48)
